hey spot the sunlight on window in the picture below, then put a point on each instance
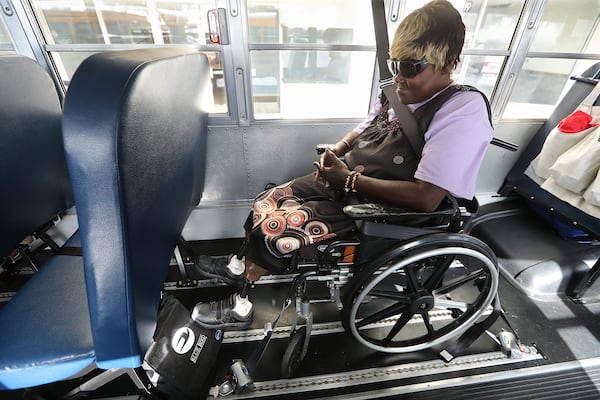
(541, 85)
(542, 82)
(114, 24)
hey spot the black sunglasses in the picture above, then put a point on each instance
(406, 69)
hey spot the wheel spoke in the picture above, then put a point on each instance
(455, 284)
(428, 325)
(401, 323)
(388, 312)
(391, 295)
(438, 276)
(413, 284)
(441, 302)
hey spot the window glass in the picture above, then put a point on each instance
(479, 71)
(541, 85)
(542, 82)
(293, 21)
(307, 83)
(127, 22)
(311, 84)
(568, 28)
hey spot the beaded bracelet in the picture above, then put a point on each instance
(349, 184)
(347, 187)
(352, 185)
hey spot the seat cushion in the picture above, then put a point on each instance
(45, 332)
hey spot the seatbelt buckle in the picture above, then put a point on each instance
(386, 82)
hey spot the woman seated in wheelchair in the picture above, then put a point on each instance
(379, 165)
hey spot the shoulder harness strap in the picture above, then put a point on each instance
(425, 113)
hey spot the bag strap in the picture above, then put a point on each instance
(408, 123)
(425, 113)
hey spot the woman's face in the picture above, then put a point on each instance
(422, 86)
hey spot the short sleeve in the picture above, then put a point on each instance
(455, 144)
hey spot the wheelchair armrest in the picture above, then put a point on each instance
(442, 217)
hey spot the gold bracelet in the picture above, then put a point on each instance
(352, 185)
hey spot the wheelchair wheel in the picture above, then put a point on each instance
(421, 294)
(293, 355)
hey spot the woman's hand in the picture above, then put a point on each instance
(332, 169)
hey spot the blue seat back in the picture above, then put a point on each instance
(33, 171)
(45, 331)
(134, 126)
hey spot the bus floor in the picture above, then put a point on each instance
(558, 333)
(562, 362)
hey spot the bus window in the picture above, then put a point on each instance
(311, 84)
(563, 31)
(74, 29)
(289, 21)
(311, 65)
(490, 26)
(480, 71)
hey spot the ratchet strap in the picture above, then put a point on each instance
(466, 339)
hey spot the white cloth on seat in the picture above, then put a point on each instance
(568, 163)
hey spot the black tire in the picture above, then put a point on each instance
(421, 294)
(293, 353)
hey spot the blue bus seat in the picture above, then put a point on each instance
(134, 130)
(134, 127)
(46, 334)
(51, 307)
(33, 171)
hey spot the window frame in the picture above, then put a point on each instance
(28, 38)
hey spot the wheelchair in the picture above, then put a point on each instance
(406, 281)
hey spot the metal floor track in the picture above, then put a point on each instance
(389, 381)
(577, 380)
(574, 380)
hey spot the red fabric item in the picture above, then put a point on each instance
(576, 122)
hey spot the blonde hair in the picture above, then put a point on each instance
(434, 32)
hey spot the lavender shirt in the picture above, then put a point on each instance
(455, 142)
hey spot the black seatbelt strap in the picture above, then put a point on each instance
(408, 123)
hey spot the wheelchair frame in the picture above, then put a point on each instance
(419, 249)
